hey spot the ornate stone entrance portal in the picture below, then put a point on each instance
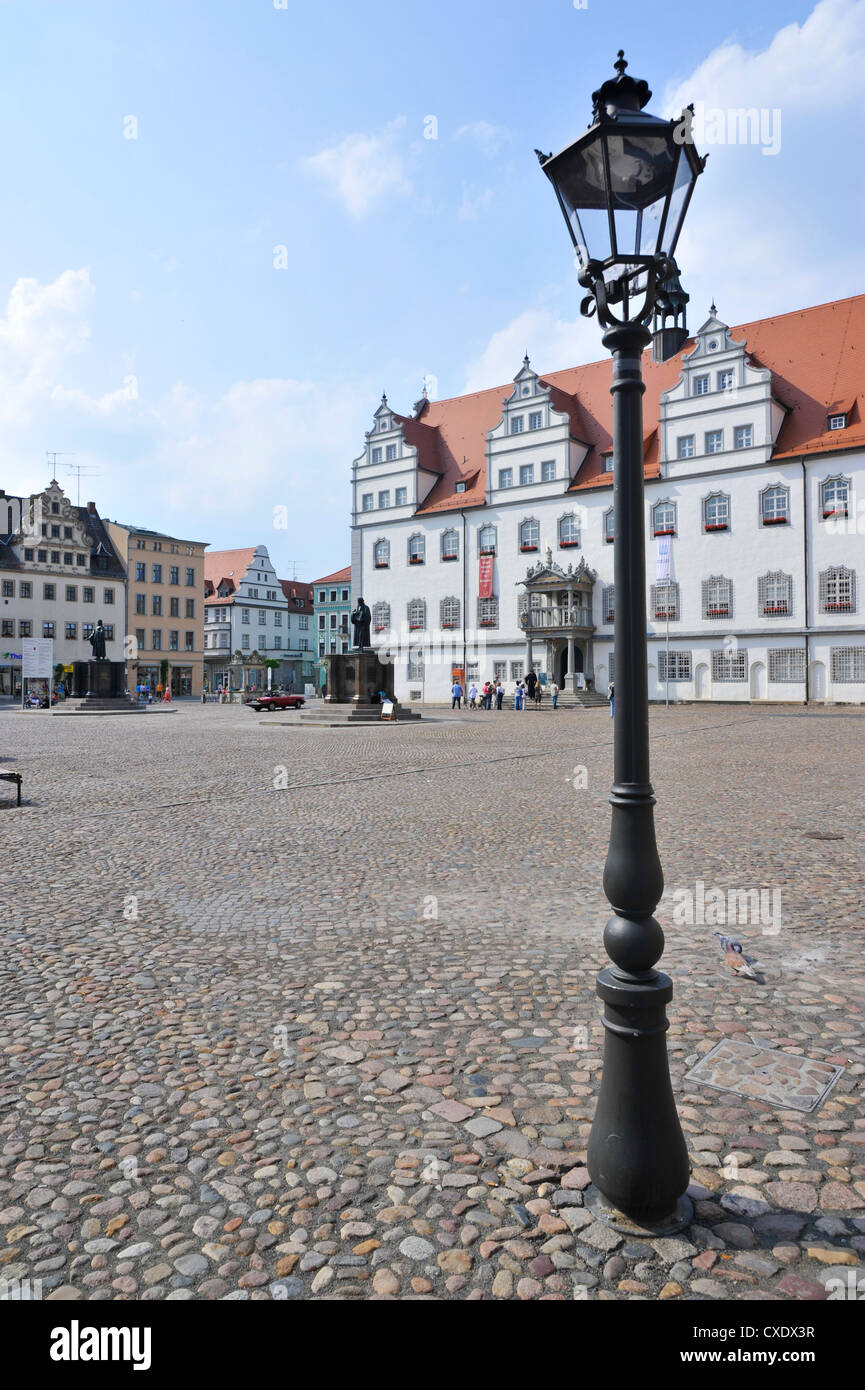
(556, 616)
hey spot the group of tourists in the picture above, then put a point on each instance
(492, 694)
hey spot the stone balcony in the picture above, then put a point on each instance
(555, 618)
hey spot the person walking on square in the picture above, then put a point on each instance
(456, 696)
(488, 695)
(473, 696)
(539, 691)
(500, 694)
(519, 695)
(612, 694)
(554, 691)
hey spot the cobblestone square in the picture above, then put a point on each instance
(301, 1013)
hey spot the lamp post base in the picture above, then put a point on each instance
(681, 1217)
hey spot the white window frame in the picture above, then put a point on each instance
(450, 545)
(712, 438)
(487, 549)
(743, 436)
(529, 545)
(608, 603)
(840, 503)
(701, 385)
(569, 522)
(416, 549)
(669, 527)
(506, 478)
(717, 598)
(449, 612)
(527, 474)
(779, 516)
(416, 614)
(381, 554)
(548, 471)
(686, 446)
(722, 503)
(786, 665)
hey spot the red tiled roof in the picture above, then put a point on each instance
(225, 564)
(816, 356)
(295, 589)
(340, 577)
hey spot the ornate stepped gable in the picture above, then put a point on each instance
(810, 364)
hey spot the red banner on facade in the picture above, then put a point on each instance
(485, 576)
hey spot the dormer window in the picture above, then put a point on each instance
(606, 463)
(516, 424)
(701, 385)
(536, 420)
(460, 487)
(838, 422)
(726, 379)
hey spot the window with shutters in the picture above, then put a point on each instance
(786, 664)
(775, 594)
(848, 664)
(488, 612)
(665, 601)
(717, 597)
(838, 590)
(449, 613)
(729, 665)
(674, 666)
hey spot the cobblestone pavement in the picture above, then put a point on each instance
(309, 1013)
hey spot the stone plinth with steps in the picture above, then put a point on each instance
(100, 688)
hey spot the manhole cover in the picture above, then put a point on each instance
(794, 1083)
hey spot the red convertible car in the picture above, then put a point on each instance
(276, 701)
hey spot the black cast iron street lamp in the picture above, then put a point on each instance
(624, 187)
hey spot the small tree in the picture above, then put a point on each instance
(164, 668)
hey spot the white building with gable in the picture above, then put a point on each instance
(483, 526)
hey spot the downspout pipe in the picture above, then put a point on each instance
(807, 578)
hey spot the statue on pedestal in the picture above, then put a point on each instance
(97, 641)
(361, 619)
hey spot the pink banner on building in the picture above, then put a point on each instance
(485, 576)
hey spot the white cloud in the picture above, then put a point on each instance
(488, 137)
(98, 405)
(551, 342)
(43, 327)
(362, 169)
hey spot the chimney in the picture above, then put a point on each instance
(91, 507)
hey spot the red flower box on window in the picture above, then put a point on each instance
(720, 612)
(379, 627)
(609, 539)
(487, 552)
(670, 531)
(448, 625)
(528, 547)
(783, 608)
(450, 557)
(774, 521)
(610, 618)
(665, 613)
(382, 565)
(835, 511)
(566, 545)
(844, 607)
(416, 627)
(487, 622)
(415, 559)
(716, 526)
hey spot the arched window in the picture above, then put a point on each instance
(449, 613)
(838, 590)
(609, 526)
(608, 604)
(717, 597)
(716, 512)
(416, 550)
(775, 594)
(664, 519)
(380, 617)
(417, 614)
(569, 531)
(487, 540)
(775, 505)
(450, 545)
(835, 493)
(381, 554)
(530, 534)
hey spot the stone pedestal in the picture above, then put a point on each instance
(357, 677)
(105, 679)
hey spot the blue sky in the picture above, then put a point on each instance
(146, 329)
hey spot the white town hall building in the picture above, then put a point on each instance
(483, 526)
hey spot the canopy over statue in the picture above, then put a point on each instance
(97, 642)
(361, 619)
